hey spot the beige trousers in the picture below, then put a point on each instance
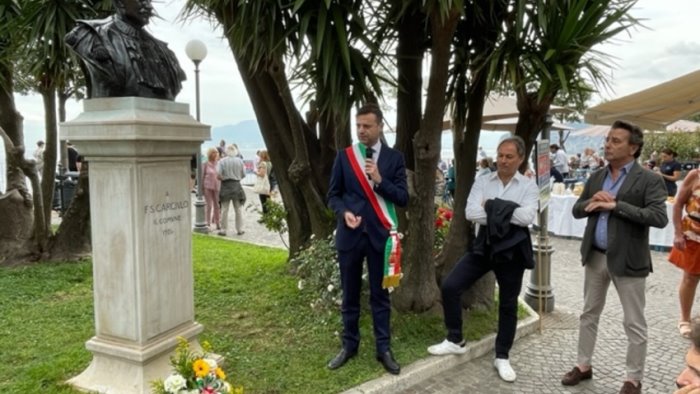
(224, 214)
(630, 290)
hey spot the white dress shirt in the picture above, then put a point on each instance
(521, 190)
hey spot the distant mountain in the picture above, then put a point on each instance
(245, 134)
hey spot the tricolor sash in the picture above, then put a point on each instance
(385, 212)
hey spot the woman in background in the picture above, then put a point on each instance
(211, 186)
(670, 170)
(686, 245)
(264, 168)
(484, 167)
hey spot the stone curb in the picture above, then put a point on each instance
(431, 366)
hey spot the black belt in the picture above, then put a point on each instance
(231, 180)
(603, 251)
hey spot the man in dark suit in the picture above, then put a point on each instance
(367, 180)
(620, 201)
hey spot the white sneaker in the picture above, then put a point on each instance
(446, 347)
(505, 371)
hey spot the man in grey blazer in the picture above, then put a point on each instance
(620, 201)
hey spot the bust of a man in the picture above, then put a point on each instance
(119, 58)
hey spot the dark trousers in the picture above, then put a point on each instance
(469, 269)
(351, 281)
(263, 200)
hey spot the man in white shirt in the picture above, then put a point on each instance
(559, 160)
(504, 204)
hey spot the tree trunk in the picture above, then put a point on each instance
(63, 148)
(27, 245)
(532, 118)
(72, 240)
(409, 59)
(15, 202)
(47, 180)
(481, 294)
(471, 91)
(275, 125)
(417, 294)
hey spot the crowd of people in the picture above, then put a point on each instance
(221, 177)
(621, 200)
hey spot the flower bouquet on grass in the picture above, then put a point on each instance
(194, 373)
(443, 218)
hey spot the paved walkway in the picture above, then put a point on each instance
(542, 358)
(254, 232)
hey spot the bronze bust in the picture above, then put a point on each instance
(119, 58)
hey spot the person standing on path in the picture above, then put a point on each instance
(211, 186)
(686, 245)
(559, 160)
(621, 202)
(670, 170)
(264, 169)
(231, 171)
(504, 204)
(367, 181)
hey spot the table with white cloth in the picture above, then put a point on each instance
(561, 222)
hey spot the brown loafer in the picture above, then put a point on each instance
(575, 376)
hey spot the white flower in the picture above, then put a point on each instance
(212, 363)
(174, 383)
(330, 288)
(300, 284)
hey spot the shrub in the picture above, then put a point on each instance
(443, 218)
(275, 219)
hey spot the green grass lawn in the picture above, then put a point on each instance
(250, 307)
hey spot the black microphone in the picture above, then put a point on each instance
(369, 151)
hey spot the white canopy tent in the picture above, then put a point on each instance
(501, 114)
(592, 131)
(653, 108)
(602, 130)
(508, 124)
(683, 126)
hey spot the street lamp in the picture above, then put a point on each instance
(197, 51)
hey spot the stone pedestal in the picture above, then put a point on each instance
(139, 152)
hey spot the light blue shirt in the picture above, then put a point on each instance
(601, 229)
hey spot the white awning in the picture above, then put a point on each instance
(652, 108)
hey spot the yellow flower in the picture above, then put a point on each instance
(201, 368)
(220, 374)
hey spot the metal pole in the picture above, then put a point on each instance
(200, 224)
(539, 294)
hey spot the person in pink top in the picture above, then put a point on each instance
(210, 186)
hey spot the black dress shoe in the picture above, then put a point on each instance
(387, 360)
(341, 358)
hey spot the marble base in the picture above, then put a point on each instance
(139, 152)
(122, 368)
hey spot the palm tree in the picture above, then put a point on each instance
(549, 47)
(321, 41)
(41, 62)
